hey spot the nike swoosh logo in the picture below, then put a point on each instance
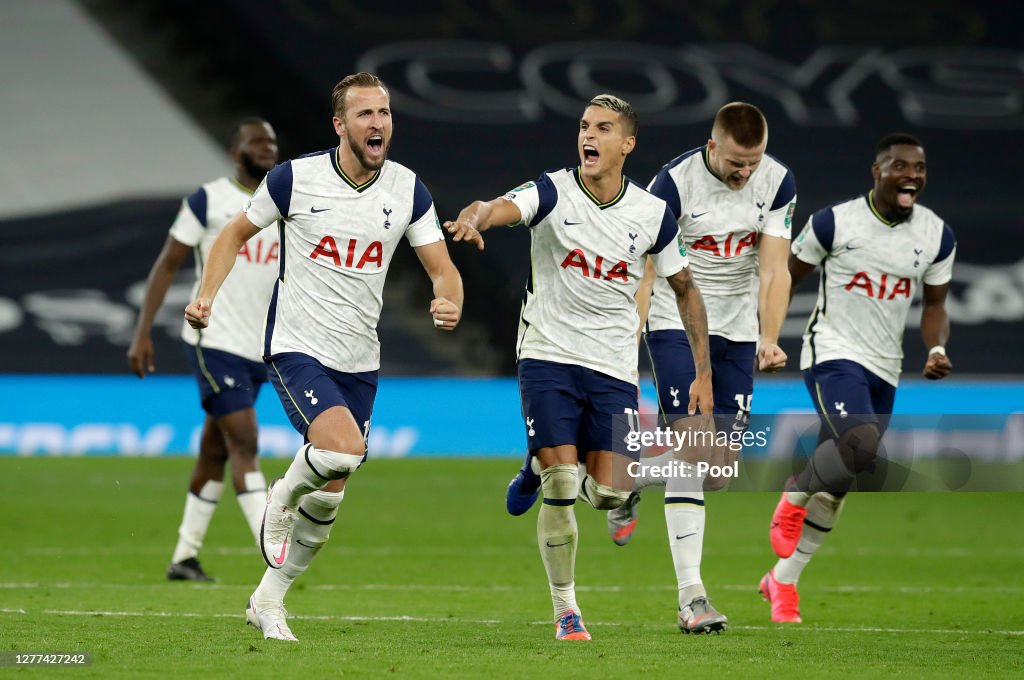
(314, 210)
(849, 247)
(695, 215)
(679, 538)
(570, 224)
(284, 546)
(557, 545)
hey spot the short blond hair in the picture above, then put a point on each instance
(619, 106)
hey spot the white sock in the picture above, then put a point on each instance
(196, 520)
(822, 512)
(310, 471)
(800, 498)
(649, 470)
(685, 519)
(312, 529)
(557, 534)
(253, 500)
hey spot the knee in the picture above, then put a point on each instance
(602, 497)
(242, 445)
(560, 481)
(715, 483)
(860, 445)
(331, 465)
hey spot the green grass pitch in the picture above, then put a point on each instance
(426, 576)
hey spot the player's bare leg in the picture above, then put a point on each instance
(240, 433)
(205, 489)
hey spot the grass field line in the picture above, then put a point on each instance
(504, 550)
(495, 588)
(427, 619)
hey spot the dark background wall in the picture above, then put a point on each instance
(486, 95)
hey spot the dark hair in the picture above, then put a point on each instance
(743, 122)
(896, 139)
(236, 136)
(361, 79)
(621, 107)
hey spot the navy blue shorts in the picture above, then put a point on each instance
(307, 388)
(732, 373)
(227, 382)
(570, 404)
(846, 394)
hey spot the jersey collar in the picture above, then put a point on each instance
(341, 173)
(707, 163)
(242, 187)
(874, 211)
(618, 197)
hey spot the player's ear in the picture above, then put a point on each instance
(339, 126)
(876, 171)
(628, 144)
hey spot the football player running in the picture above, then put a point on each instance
(591, 231)
(875, 252)
(734, 205)
(226, 358)
(342, 213)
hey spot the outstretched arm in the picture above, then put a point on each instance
(773, 300)
(479, 216)
(222, 257)
(140, 353)
(935, 331)
(695, 320)
(446, 307)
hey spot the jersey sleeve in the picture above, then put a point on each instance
(535, 199)
(424, 227)
(272, 199)
(815, 241)
(940, 271)
(669, 251)
(665, 188)
(190, 223)
(780, 216)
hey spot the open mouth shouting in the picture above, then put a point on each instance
(375, 145)
(590, 156)
(906, 195)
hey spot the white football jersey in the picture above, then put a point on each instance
(871, 269)
(242, 301)
(721, 229)
(337, 241)
(587, 259)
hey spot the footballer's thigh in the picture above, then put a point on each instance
(611, 412)
(552, 407)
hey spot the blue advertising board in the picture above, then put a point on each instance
(459, 417)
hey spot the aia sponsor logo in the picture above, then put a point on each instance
(254, 251)
(578, 260)
(730, 247)
(372, 254)
(886, 288)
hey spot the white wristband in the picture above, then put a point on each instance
(938, 349)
